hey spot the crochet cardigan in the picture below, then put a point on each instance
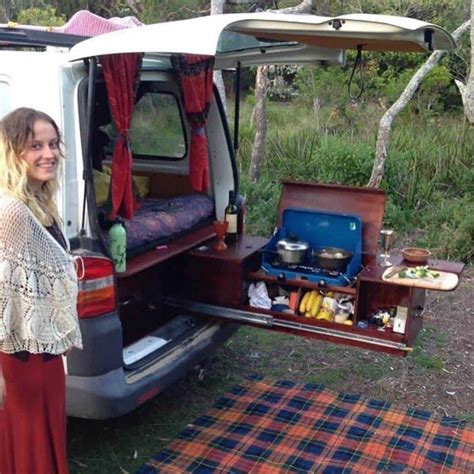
(38, 285)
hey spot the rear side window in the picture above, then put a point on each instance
(157, 129)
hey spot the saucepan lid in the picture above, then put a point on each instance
(292, 245)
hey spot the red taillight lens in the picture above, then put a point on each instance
(96, 287)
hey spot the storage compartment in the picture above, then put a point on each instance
(204, 275)
(141, 308)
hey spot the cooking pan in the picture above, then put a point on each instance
(292, 251)
(332, 258)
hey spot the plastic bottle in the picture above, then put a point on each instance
(231, 217)
(118, 246)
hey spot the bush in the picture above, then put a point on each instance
(428, 176)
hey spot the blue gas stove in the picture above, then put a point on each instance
(319, 229)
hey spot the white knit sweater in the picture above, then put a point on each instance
(38, 285)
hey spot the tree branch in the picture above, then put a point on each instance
(383, 138)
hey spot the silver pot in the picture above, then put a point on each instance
(292, 252)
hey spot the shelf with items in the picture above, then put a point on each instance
(332, 332)
(402, 304)
(370, 332)
(403, 299)
(367, 297)
(260, 275)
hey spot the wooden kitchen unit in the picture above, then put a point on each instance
(217, 283)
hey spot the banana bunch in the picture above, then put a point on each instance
(310, 303)
(324, 315)
(328, 308)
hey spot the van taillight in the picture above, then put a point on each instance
(96, 287)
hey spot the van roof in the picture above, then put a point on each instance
(250, 37)
(30, 36)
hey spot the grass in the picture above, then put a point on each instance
(421, 358)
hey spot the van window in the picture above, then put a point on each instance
(157, 129)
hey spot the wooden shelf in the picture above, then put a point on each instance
(262, 276)
(238, 251)
(174, 247)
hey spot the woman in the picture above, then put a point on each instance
(38, 291)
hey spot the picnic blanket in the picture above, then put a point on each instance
(266, 426)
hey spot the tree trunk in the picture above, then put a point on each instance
(6, 10)
(260, 116)
(467, 91)
(383, 138)
(259, 113)
(304, 7)
(217, 8)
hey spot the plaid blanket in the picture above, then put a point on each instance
(265, 426)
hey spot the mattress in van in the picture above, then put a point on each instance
(159, 219)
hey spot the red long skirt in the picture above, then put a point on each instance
(33, 418)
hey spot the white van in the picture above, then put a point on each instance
(178, 299)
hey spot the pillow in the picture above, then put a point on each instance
(142, 183)
(101, 186)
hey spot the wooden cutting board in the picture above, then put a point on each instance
(445, 282)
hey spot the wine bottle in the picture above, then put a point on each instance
(231, 217)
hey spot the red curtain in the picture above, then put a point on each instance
(121, 73)
(194, 74)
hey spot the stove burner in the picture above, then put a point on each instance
(305, 268)
(315, 271)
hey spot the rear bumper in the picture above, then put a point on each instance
(119, 391)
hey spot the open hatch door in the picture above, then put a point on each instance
(270, 38)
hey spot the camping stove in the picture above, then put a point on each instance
(319, 229)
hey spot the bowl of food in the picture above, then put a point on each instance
(415, 255)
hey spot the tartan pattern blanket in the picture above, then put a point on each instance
(265, 426)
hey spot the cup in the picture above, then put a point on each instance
(221, 228)
(386, 241)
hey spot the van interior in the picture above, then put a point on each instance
(170, 218)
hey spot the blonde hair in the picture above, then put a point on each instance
(16, 129)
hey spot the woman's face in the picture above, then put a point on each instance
(42, 154)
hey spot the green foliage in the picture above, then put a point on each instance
(172, 10)
(46, 16)
(383, 80)
(428, 175)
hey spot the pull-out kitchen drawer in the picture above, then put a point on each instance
(215, 284)
(395, 344)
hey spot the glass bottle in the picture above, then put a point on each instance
(231, 213)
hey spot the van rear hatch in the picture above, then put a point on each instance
(262, 38)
